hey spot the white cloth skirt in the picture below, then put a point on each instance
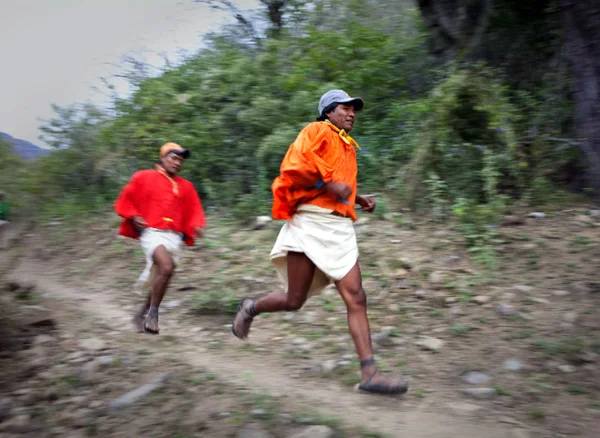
(151, 239)
(329, 241)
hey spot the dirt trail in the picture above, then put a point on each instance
(389, 416)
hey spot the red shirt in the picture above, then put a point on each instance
(151, 195)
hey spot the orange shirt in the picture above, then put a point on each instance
(320, 154)
(152, 195)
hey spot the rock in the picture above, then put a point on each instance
(462, 408)
(6, 405)
(594, 213)
(137, 394)
(505, 309)
(521, 288)
(452, 259)
(394, 307)
(567, 368)
(400, 273)
(480, 393)
(395, 241)
(258, 412)
(19, 424)
(513, 365)
(438, 277)
(431, 344)
(43, 339)
(261, 222)
(579, 288)
(419, 293)
(253, 431)
(570, 317)
(560, 293)
(456, 311)
(92, 344)
(537, 215)
(329, 365)
(481, 300)
(383, 339)
(106, 361)
(583, 219)
(448, 301)
(299, 341)
(315, 432)
(475, 378)
(510, 221)
(38, 316)
(401, 284)
(89, 372)
(519, 433)
(173, 304)
(540, 300)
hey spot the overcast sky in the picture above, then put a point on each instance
(55, 51)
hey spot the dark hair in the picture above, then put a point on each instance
(326, 110)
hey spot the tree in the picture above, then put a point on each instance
(528, 41)
(581, 20)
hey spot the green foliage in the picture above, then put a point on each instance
(434, 137)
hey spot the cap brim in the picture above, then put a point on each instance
(356, 101)
(184, 153)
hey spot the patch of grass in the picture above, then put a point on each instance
(216, 302)
(538, 414)
(465, 295)
(351, 380)
(317, 418)
(202, 378)
(459, 330)
(435, 313)
(594, 405)
(539, 382)
(372, 434)
(577, 390)
(581, 240)
(523, 334)
(501, 392)
(420, 393)
(400, 363)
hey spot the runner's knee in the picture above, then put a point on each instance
(166, 268)
(294, 304)
(357, 299)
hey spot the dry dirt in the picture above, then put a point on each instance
(527, 335)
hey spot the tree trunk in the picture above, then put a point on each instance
(581, 22)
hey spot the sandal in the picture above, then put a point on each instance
(153, 314)
(380, 388)
(247, 314)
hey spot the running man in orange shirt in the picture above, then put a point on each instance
(316, 193)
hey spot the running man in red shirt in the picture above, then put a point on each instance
(163, 210)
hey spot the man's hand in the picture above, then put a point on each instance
(199, 232)
(341, 190)
(367, 203)
(139, 223)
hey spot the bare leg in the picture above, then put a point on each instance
(350, 288)
(166, 267)
(300, 275)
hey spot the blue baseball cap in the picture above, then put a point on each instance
(337, 97)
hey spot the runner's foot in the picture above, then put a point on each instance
(243, 319)
(151, 322)
(373, 381)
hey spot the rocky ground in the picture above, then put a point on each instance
(511, 352)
